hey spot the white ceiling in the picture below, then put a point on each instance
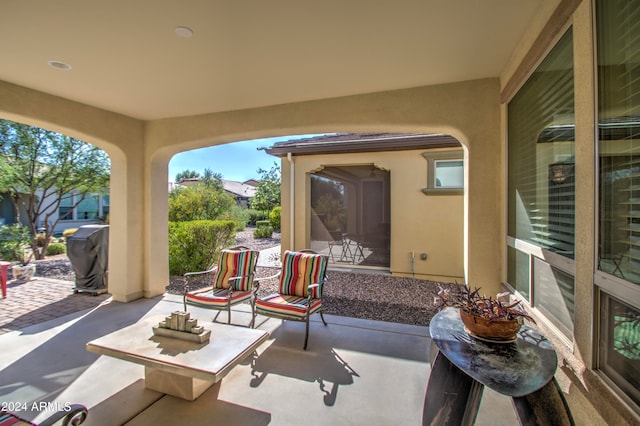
(126, 57)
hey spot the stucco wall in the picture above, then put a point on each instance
(432, 224)
(468, 111)
(140, 153)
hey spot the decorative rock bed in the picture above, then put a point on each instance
(366, 295)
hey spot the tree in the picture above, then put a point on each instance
(205, 200)
(41, 168)
(211, 179)
(187, 174)
(267, 194)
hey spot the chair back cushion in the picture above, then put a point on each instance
(235, 263)
(299, 270)
(10, 419)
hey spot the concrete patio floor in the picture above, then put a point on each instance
(355, 372)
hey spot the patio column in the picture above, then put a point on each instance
(126, 219)
(156, 196)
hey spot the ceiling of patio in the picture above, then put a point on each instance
(126, 56)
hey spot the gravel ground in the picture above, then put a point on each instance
(366, 295)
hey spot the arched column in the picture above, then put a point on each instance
(122, 138)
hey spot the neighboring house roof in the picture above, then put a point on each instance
(239, 189)
(188, 181)
(361, 142)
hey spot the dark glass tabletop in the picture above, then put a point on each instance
(514, 369)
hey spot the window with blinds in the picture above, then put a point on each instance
(619, 134)
(541, 188)
(541, 184)
(618, 56)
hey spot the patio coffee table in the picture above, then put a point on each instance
(178, 367)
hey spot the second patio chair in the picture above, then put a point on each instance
(300, 292)
(233, 282)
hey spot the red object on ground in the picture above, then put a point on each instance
(3, 277)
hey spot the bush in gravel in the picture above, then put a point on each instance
(263, 229)
(238, 214)
(56, 248)
(194, 245)
(263, 232)
(274, 217)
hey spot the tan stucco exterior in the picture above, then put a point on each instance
(470, 111)
(140, 152)
(420, 223)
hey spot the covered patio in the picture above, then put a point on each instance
(145, 80)
(355, 372)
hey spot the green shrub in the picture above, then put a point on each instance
(274, 218)
(263, 229)
(256, 215)
(264, 222)
(13, 238)
(56, 248)
(239, 215)
(263, 232)
(194, 245)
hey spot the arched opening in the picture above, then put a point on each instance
(389, 205)
(52, 182)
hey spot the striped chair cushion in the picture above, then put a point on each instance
(299, 270)
(235, 263)
(218, 298)
(287, 306)
(8, 419)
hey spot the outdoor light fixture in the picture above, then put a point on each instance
(560, 171)
(59, 65)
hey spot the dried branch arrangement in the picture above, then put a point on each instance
(480, 305)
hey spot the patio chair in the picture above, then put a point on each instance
(233, 282)
(73, 414)
(302, 276)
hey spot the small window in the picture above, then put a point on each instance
(449, 173)
(445, 172)
(65, 211)
(88, 208)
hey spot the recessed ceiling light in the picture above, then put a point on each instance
(185, 32)
(59, 65)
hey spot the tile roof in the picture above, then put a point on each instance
(359, 142)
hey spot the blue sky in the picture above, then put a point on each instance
(237, 161)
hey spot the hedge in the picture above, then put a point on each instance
(56, 248)
(195, 245)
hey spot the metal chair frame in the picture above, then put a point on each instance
(255, 284)
(308, 306)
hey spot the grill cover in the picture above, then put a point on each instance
(88, 251)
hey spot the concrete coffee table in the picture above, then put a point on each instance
(177, 367)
